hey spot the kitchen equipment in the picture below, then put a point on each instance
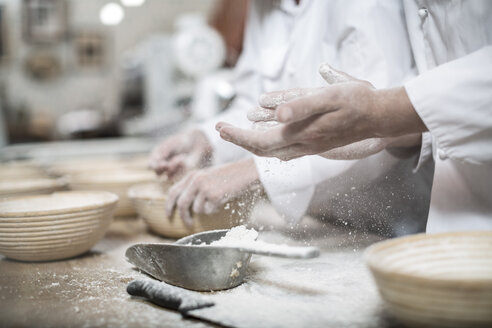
(147, 70)
(150, 202)
(56, 226)
(198, 48)
(117, 181)
(438, 280)
(213, 93)
(191, 264)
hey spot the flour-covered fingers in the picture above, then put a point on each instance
(252, 139)
(156, 161)
(185, 201)
(158, 167)
(291, 152)
(304, 107)
(164, 151)
(172, 167)
(199, 202)
(333, 76)
(264, 125)
(276, 98)
(261, 114)
(210, 207)
(174, 193)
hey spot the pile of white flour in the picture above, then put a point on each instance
(235, 235)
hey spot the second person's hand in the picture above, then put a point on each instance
(181, 152)
(208, 190)
(338, 115)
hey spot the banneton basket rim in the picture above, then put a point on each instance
(105, 199)
(135, 191)
(118, 176)
(37, 183)
(371, 258)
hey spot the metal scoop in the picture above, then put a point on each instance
(191, 264)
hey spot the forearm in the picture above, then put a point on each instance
(394, 114)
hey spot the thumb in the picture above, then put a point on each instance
(333, 76)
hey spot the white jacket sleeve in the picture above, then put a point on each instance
(355, 46)
(247, 86)
(455, 102)
(224, 151)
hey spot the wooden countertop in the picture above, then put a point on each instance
(90, 290)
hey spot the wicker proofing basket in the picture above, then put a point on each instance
(441, 280)
(20, 170)
(69, 167)
(54, 227)
(30, 186)
(150, 201)
(117, 181)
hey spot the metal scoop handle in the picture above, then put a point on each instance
(267, 249)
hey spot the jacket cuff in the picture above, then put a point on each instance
(425, 151)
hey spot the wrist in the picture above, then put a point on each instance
(395, 113)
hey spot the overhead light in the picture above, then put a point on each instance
(111, 14)
(132, 3)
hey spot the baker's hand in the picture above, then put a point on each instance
(264, 116)
(181, 152)
(328, 118)
(270, 101)
(208, 190)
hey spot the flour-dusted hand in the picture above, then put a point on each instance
(208, 190)
(341, 114)
(181, 152)
(270, 101)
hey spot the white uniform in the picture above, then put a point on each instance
(284, 45)
(453, 96)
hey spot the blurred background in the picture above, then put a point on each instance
(83, 77)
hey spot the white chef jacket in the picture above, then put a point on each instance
(451, 41)
(284, 45)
